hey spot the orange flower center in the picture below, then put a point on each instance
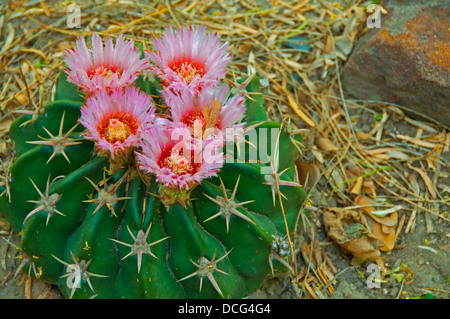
(177, 161)
(200, 120)
(104, 71)
(117, 127)
(188, 69)
(194, 118)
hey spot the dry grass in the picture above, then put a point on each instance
(380, 172)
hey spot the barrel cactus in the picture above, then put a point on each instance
(151, 175)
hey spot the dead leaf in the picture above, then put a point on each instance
(412, 179)
(348, 231)
(4, 126)
(353, 172)
(251, 63)
(317, 154)
(439, 137)
(385, 221)
(4, 224)
(410, 226)
(21, 98)
(380, 124)
(381, 213)
(426, 180)
(387, 237)
(398, 155)
(365, 203)
(356, 189)
(381, 227)
(308, 173)
(328, 45)
(432, 157)
(363, 136)
(368, 208)
(338, 180)
(447, 143)
(307, 253)
(381, 157)
(299, 112)
(325, 144)
(415, 141)
(385, 231)
(9, 38)
(370, 188)
(396, 110)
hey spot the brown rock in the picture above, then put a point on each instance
(406, 61)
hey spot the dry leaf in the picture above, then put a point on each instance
(299, 112)
(21, 98)
(328, 45)
(363, 136)
(4, 126)
(415, 141)
(379, 231)
(365, 203)
(325, 144)
(386, 221)
(337, 178)
(251, 63)
(307, 253)
(9, 38)
(447, 143)
(380, 124)
(381, 227)
(398, 155)
(3, 148)
(385, 231)
(357, 188)
(439, 137)
(431, 157)
(348, 231)
(381, 157)
(307, 173)
(368, 208)
(426, 180)
(445, 188)
(4, 224)
(410, 226)
(370, 188)
(317, 154)
(353, 172)
(412, 178)
(384, 212)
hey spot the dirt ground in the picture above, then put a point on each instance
(418, 266)
(431, 270)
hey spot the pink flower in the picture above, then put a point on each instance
(177, 160)
(116, 121)
(212, 110)
(189, 58)
(103, 68)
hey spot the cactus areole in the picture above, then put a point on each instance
(113, 196)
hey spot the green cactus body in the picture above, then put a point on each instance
(98, 228)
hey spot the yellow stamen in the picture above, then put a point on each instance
(117, 131)
(178, 164)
